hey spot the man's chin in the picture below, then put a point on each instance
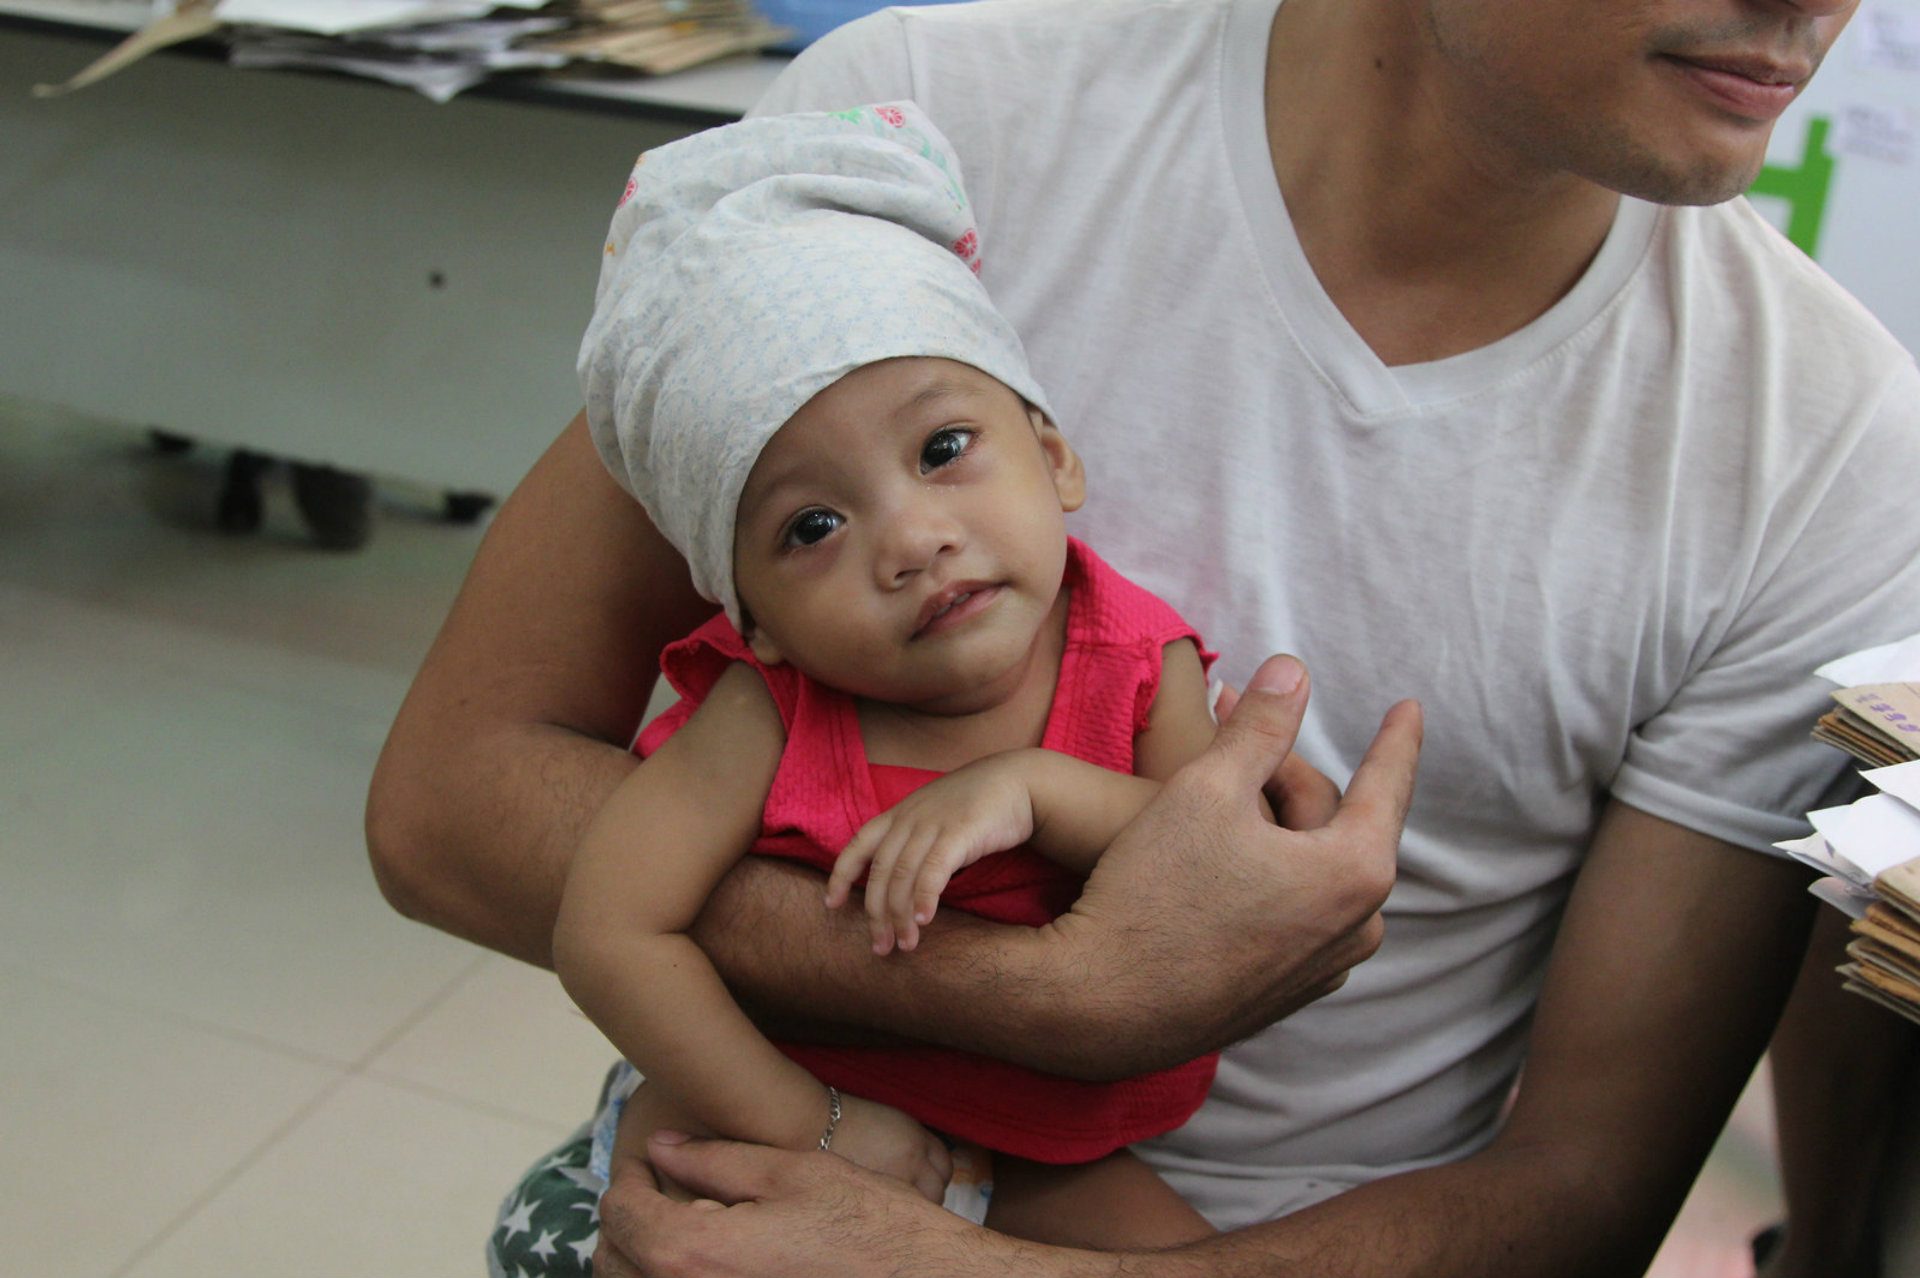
(1696, 181)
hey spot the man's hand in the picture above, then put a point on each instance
(1302, 796)
(768, 1211)
(1255, 920)
(917, 845)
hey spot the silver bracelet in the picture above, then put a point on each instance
(833, 1116)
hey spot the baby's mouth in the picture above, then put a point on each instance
(951, 606)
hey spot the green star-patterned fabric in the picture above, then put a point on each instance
(550, 1223)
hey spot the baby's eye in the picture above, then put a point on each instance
(946, 445)
(810, 526)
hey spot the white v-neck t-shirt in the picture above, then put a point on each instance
(1605, 552)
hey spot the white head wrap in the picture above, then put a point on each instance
(749, 268)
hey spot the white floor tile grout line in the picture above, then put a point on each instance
(485, 1108)
(421, 1011)
(125, 1003)
(232, 1175)
(366, 1067)
(360, 1070)
(344, 1072)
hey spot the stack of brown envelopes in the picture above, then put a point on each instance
(1885, 950)
(1877, 723)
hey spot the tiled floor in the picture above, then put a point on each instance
(221, 1053)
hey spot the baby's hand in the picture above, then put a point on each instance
(915, 846)
(881, 1138)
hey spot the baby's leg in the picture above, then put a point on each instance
(1118, 1203)
(648, 1110)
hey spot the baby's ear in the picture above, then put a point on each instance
(1069, 475)
(764, 649)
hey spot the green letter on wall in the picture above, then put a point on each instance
(1804, 189)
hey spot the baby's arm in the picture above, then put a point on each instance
(1066, 809)
(641, 875)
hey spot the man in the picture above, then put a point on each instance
(1368, 359)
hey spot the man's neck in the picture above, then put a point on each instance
(1431, 240)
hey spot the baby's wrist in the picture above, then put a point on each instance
(835, 1110)
(1035, 768)
(1024, 767)
(812, 1117)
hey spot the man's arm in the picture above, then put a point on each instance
(1838, 1063)
(516, 728)
(1673, 959)
(1672, 962)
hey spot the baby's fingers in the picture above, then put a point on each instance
(914, 892)
(903, 887)
(898, 857)
(878, 872)
(931, 1176)
(854, 859)
(917, 897)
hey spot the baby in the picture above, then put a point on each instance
(917, 676)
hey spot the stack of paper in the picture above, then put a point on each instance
(441, 47)
(346, 17)
(436, 48)
(1856, 844)
(1869, 851)
(1877, 723)
(1886, 945)
(1877, 715)
(663, 36)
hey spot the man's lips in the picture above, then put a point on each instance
(953, 605)
(1756, 87)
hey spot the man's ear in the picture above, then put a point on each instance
(1069, 476)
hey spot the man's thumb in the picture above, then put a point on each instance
(1261, 724)
(724, 1170)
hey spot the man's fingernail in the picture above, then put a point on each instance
(1280, 676)
(669, 1138)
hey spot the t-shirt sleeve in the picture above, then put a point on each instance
(1730, 754)
(860, 63)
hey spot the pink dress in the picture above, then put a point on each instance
(823, 792)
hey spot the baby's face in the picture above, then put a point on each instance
(902, 537)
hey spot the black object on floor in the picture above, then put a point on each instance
(337, 505)
(241, 506)
(168, 444)
(466, 508)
